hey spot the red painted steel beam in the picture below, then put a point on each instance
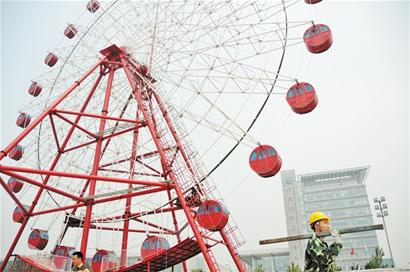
(78, 146)
(115, 63)
(149, 167)
(98, 116)
(176, 227)
(103, 138)
(83, 176)
(59, 209)
(96, 162)
(100, 201)
(53, 127)
(126, 224)
(232, 251)
(75, 125)
(60, 239)
(44, 186)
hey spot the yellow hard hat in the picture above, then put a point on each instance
(317, 216)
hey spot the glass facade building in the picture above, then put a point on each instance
(342, 195)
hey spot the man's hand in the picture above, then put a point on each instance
(336, 236)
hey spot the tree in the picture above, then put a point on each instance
(376, 261)
(335, 267)
(259, 268)
(293, 268)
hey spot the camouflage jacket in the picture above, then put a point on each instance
(81, 268)
(319, 257)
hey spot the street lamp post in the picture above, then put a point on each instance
(381, 211)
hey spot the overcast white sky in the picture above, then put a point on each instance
(362, 118)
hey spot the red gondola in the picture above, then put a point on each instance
(61, 256)
(70, 31)
(23, 120)
(265, 161)
(17, 152)
(312, 1)
(38, 239)
(51, 59)
(104, 260)
(18, 215)
(212, 215)
(153, 246)
(93, 6)
(302, 98)
(14, 185)
(318, 38)
(35, 89)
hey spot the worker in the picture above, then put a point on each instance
(319, 257)
(78, 262)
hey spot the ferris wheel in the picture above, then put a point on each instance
(137, 106)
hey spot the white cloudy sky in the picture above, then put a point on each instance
(362, 118)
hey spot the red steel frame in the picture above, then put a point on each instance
(114, 59)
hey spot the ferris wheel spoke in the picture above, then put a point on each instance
(216, 127)
(225, 61)
(234, 25)
(221, 111)
(185, 33)
(242, 88)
